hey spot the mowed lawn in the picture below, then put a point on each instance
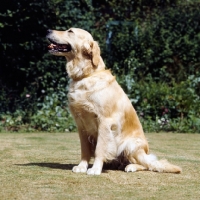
(38, 166)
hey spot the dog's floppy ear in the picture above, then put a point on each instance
(95, 53)
(92, 50)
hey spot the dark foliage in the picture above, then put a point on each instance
(153, 48)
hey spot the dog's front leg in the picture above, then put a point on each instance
(103, 150)
(97, 167)
(85, 154)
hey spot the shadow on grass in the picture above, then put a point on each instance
(106, 167)
(50, 165)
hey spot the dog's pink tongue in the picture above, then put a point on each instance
(51, 46)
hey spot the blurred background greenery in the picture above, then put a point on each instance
(152, 46)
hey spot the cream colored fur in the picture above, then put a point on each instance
(108, 126)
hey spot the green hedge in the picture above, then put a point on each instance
(165, 45)
(152, 47)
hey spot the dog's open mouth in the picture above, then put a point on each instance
(59, 47)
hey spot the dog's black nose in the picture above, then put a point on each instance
(49, 31)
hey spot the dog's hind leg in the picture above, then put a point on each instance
(134, 168)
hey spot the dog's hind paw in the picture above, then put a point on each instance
(134, 168)
(94, 171)
(79, 169)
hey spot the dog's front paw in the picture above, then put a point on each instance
(79, 169)
(94, 171)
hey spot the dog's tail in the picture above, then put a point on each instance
(151, 163)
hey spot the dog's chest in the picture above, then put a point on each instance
(79, 100)
(83, 96)
(87, 102)
(83, 109)
(84, 113)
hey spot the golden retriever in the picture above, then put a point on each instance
(108, 126)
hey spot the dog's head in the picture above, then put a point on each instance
(74, 43)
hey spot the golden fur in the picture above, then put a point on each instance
(108, 126)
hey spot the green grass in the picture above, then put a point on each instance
(38, 166)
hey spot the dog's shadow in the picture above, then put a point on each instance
(50, 165)
(66, 166)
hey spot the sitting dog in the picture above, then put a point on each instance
(108, 126)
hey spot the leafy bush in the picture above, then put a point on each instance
(30, 78)
(161, 106)
(163, 45)
(151, 46)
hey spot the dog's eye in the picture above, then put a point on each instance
(70, 31)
